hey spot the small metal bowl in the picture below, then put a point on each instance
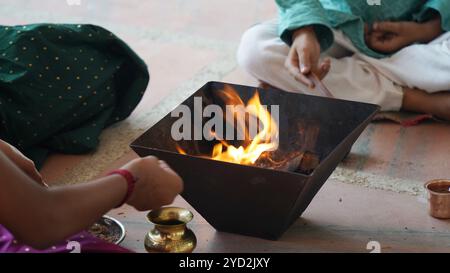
(115, 231)
(439, 198)
(170, 233)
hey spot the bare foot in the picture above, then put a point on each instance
(437, 104)
(442, 105)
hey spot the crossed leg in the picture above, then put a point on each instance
(351, 77)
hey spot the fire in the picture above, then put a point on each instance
(257, 143)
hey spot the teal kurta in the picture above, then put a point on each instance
(350, 16)
(60, 85)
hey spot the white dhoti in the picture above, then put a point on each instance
(353, 76)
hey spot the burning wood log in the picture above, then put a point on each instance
(261, 149)
(275, 161)
(301, 162)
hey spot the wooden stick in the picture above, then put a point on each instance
(320, 86)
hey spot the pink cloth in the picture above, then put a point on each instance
(83, 242)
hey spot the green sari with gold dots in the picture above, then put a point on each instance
(60, 85)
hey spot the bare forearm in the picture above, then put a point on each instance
(40, 217)
(77, 207)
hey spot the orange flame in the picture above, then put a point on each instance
(265, 140)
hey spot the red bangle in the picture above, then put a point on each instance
(130, 183)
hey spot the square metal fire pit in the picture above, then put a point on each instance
(251, 200)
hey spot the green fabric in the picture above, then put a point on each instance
(60, 85)
(350, 16)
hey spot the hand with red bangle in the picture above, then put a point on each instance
(131, 181)
(144, 183)
(155, 183)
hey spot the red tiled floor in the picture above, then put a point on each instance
(416, 153)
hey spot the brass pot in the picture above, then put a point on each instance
(170, 233)
(439, 198)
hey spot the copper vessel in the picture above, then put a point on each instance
(439, 198)
(170, 233)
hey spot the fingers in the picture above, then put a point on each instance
(163, 165)
(158, 184)
(27, 166)
(174, 177)
(293, 66)
(302, 78)
(394, 27)
(386, 42)
(325, 67)
(31, 171)
(375, 40)
(388, 37)
(305, 61)
(22, 162)
(299, 66)
(379, 41)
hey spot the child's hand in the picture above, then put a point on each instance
(21, 161)
(304, 57)
(389, 37)
(157, 184)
